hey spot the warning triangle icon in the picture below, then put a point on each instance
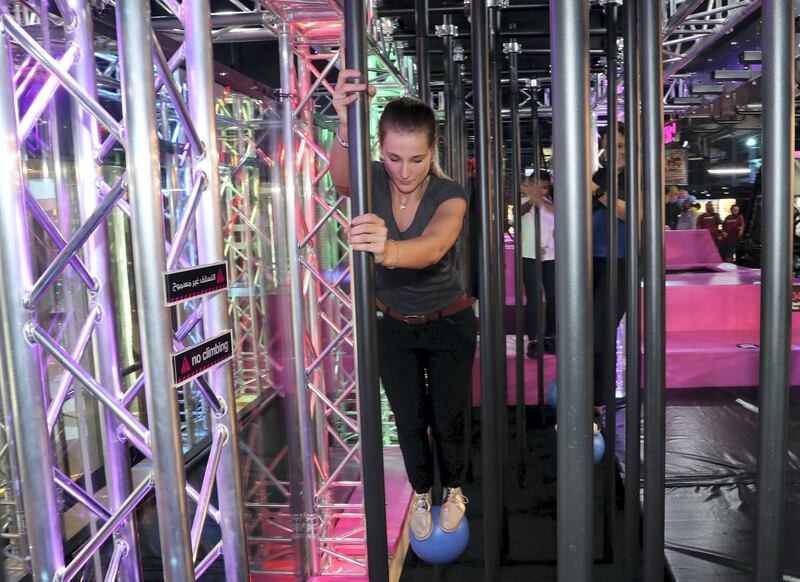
(185, 367)
(220, 276)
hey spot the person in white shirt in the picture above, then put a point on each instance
(539, 195)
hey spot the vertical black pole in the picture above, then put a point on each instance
(537, 168)
(654, 295)
(570, 58)
(421, 27)
(499, 287)
(449, 102)
(460, 133)
(632, 299)
(516, 169)
(776, 283)
(483, 158)
(610, 380)
(355, 42)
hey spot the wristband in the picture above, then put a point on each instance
(344, 144)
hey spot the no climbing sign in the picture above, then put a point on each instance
(188, 364)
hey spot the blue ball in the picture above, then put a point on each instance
(599, 446)
(441, 547)
(552, 394)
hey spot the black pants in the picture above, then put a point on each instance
(603, 310)
(533, 297)
(426, 371)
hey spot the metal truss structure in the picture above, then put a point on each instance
(60, 334)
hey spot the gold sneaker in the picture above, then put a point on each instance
(420, 520)
(453, 509)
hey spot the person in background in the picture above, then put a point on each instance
(539, 196)
(732, 230)
(672, 210)
(688, 217)
(603, 307)
(710, 221)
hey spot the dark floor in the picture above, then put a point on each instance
(531, 517)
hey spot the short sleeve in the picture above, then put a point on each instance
(450, 189)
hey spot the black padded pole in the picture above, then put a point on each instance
(516, 171)
(569, 21)
(633, 279)
(483, 157)
(610, 335)
(776, 283)
(654, 295)
(355, 42)
(421, 27)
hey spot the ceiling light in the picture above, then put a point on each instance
(729, 171)
(751, 142)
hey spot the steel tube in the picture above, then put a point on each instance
(45, 95)
(310, 93)
(573, 286)
(421, 27)
(35, 333)
(610, 337)
(187, 219)
(363, 291)
(82, 234)
(654, 294)
(196, 143)
(85, 334)
(138, 102)
(21, 371)
(72, 87)
(73, 490)
(303, 482)
(107, 529)
(633, 301)
(776, 284)
(488, 253)
(519, 314)
(120, 552)
(105, 354)
(214, 454)
(217, 20)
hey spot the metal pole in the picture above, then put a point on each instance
(20, 362)
(138, 102)
(776, 284)
(449, 66)
(488, 253)
(610, 339)
(516, 169)
(573, 286)
(498, 287)
(537, 168)
(654, 295)
(304, 487)
(85, 137)
(200, 83)
(364, 304)
(421, 27)
(633, 301)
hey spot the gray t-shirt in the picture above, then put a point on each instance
(416, 291)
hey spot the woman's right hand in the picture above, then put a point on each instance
(346, 92)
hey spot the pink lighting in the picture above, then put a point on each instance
(670, 132)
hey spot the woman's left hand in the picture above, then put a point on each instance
(368, 233)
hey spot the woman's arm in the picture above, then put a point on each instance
(368, 233)
(346, 92)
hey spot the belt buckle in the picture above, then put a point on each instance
(415, 319)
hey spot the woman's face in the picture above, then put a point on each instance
(407, 158)
(620, 150)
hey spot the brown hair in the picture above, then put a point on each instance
(407, 115)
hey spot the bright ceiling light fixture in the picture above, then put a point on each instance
(751, 142)
(728, 171)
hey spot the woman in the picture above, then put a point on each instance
(426, 326)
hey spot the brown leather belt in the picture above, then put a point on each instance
(464, 303)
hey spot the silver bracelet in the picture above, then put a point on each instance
(344, 144)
